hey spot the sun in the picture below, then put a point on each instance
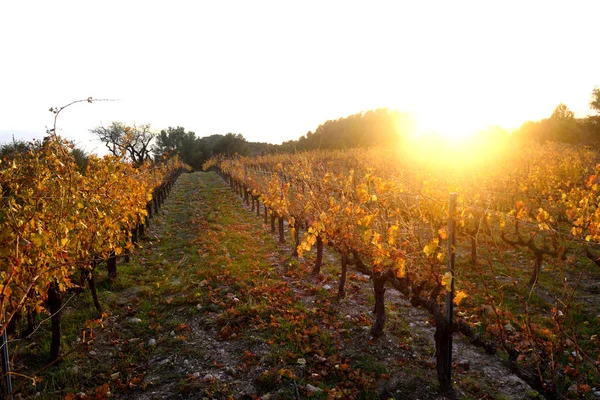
(447, 139)
(450, 126)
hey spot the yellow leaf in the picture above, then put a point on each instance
(118, 250)
(401, 268)
(376, 240)
(443, 234)
(367, 236)
(366, 221)
(460, 296)
(37, 240)
(430, 248)
(440, 257)
(39, 308)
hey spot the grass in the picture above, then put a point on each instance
(370, 364)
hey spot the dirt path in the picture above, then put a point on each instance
(212, 307)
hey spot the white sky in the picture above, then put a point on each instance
(273, 70)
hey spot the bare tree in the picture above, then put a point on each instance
(119, 138)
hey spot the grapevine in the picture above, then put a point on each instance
(386, 212)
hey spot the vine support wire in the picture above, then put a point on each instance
(450, 293)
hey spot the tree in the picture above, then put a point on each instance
(81, 158)
(562, 113)
(10, 150)
(231, 144)
(562, 125)
(595, 101)
(590, 128)
(120, 139)
(170, 141)
(190, 149)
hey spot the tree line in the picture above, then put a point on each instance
(140, 143)
(562, 126)
(380, 127)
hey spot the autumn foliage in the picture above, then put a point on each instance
(527, 218)
(58, 222)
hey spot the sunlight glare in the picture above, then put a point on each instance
(452, 141)
(451, 126)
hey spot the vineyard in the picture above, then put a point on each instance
(522, 241)
(391, 269)
(60, 222)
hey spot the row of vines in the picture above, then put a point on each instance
(60, 221)
(527, 223)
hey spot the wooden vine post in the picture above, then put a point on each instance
(280, 219)
(450, 293)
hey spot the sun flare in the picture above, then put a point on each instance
(449, 140)
(450, 126)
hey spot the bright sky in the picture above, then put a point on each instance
(273, 70)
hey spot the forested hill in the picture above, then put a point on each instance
(371, 128)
